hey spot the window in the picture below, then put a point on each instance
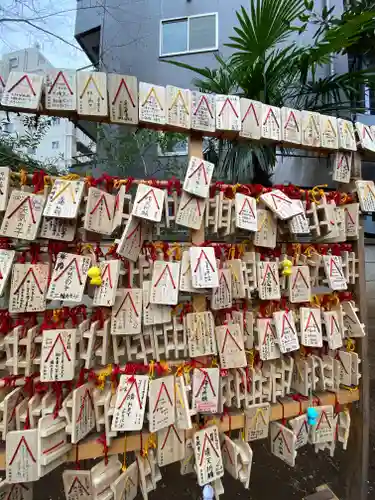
(7, 127)
(178, 149)
(55, 120)
(31, 150)
(13, 63)
(189, 34)
(55, 144)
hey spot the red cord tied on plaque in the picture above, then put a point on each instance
(103, 441)
(270, 253)
(57, 389)
(5, 322)
(299, 398)
(292, 191)
(38, 181)
(4, 244)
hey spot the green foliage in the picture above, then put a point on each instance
(270, 64)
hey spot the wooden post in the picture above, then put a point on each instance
(197, 236)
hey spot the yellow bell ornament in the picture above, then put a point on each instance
(287, 267)
(94, 274)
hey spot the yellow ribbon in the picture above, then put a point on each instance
(151, 369)
(102, 375)
(178, 392)
(350, 345)
(120, 182)
(164, 365)
(176, 250)
(70, 177)
(317, 191)
(315, 301)
(23, 177)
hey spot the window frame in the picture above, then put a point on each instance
(187, 18)
(56, 142)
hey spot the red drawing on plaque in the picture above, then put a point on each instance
(24, 77)
(163, 386)
(201, 166)
(15, 486)
(67, 267)
(86, 395)
(53, 347)
(304, 425)
(45, 452)
(366, 130)
(168, 432)
(22, 441)
(349, 215)
(133, 383)
(267, 332)
(151, 191)
(247, 202)
(222, 277)
(251, 108)
(226, 449)
(196, 201)
(206, 379)
(102, 199)
(271, 112)
(323, 414)
(286, 319)
(123, 84)
(311, 315)
(107, 270)
(28, 200)
(19, 399)
(299, 273)
(292, 115)
(268, 269)
(128, 294)
(225, 341)
(78, 482)
(283, 438)
(2, 82)
(32, 272)
(166, 268)
(227, 100)
(61, 74)
(332, 263)
(340, 164)
(207, 259)
(207, 438)
(203, 99)
(273, 195)
(333, 325)
(137, 228)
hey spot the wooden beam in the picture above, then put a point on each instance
(90, 448)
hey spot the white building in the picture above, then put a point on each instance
(63, 144)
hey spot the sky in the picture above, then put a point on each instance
(57, 17)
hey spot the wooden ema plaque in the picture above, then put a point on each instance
(6, 263)
(268, 347)
(283, 443)
(286, 331)
(268, 280)
(206, 390)
(300, 428)
(231, 346)
(329, 132)
(4, 187)
(15, 491)
(311, 327)
(77, 484)
(299, 284)
(222, 295)
(130, 406)
(228, 112)
(353, 327)
(203, 112)
(164, 283)
(53, 443)
(251, 115)
(92, 96)
(280, 204)
(100, 208)
(22, 216)
(69, 277)
(333, 329)
(311, 132)
(105, 294)
(135, 233)
(204, 272)
(366, 195)
(246, 212)
(365, 135)
(171, 445)
(28, 288)
(291, 125)
(342, 167)
(22, 456)
(208, 459)
(178, 107)
(148, 203)
(324, 430)
(127, 312)
(161, 403)
(198, 177)
(154, 314)
(352, 220)
(83, 415)
(64, 199)
(334, 272)
(123, 99)
(58, 229)
(60, 91)
(183, 416)
(23, 90)
(257, 421)
(271, 122)
(347, 138)
(190, 211)
(152, 104)
(267, 229)
(58, 355)
(125, 487)
(200, 329)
